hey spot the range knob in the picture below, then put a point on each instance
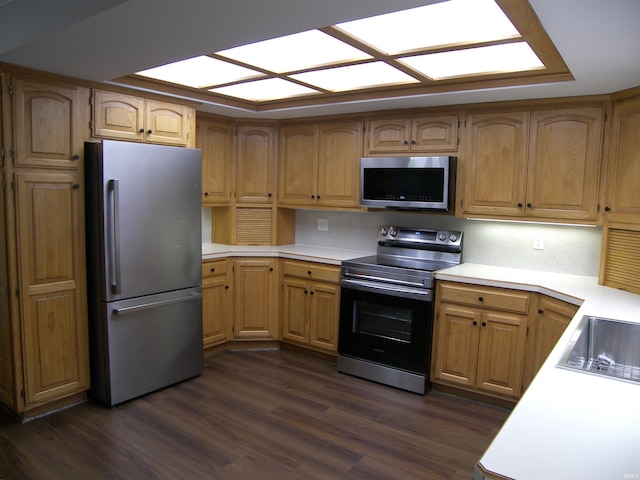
(393, 232)
(442, 237)
(383, 231)
(453, 237)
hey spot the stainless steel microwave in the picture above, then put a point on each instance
(417, 183)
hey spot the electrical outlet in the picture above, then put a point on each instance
(323, 225)
(538, 243)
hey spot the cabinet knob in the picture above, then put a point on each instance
(149, 132)
(519, 205)
(141, 130)
(313, 196)
(308, 272)
(406, 142)
(484, 324)
(529, 205)
(271, 269)
(226, 287)
(481, 299)
(213, 270)
(312, 292)
(76, 157)
(269, 195)
(607, 209)
(305, 291)
(413, 142)
(76, 186)
(206, 194)
(475, 323)
(540, 311)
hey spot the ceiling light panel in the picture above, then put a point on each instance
(264, 90)
(295, 52)
(354, 77)
(200, 72)
(511, 57)
(455, 22)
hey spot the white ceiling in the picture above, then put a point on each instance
(100, 40)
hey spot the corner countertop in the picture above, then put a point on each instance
(331, 256)
(567, 424)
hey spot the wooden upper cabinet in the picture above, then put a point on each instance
(564, 163)
(421, 134)
(255, 164)
(127, 117)
(319, 165)
(215, 139)
(297, 165)
(49, 124)
(339, 153)
(623, 192)
(50, 226)
(543, 164)
(495, 176)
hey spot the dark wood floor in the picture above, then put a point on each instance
(257, 415)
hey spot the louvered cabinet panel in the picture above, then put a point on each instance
(254, 226)
(620, 266)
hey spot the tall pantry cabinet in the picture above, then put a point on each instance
(44, 360)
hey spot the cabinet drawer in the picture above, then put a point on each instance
(311, 270)
(487, 297)
(212, 268)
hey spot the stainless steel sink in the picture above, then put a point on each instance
(602, 346)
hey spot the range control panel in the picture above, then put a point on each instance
(418, 237)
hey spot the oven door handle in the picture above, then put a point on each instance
(423, 295)
(385, 280)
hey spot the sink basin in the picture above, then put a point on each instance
(606, 347)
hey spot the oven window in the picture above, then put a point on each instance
(392, 323)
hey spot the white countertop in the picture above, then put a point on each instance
(568, 424)
(332, 256)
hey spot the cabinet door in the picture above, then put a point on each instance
(295, 309)
(339, 153)
(564, 163)
(166, 123)
(501, 353)
(325, 315)
(434, 134)
(49, 124)
(297, 165)
(215, 139)
(254, 164)
(256, 299)
(7, 386)
(553, 317)
(50, 226)
(389, 135)
(623, 194)
(495, 174)
(456, 337)
(118, 116)
(216, 311)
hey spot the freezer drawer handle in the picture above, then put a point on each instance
(115, 258)
(143, 306)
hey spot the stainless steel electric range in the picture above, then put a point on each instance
(386, 306)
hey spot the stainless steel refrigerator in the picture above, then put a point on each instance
(143, 220)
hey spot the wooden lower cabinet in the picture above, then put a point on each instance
(255, 292)
(311, 305)
(479, 339)
(216, 302)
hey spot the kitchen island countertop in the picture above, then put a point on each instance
(567, 424)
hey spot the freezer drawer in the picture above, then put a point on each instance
(147, 343)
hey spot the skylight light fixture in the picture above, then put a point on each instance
(354, 77)
(455, 22)
(510, 57)
(200, 72)
(264, 90)
(295, 52)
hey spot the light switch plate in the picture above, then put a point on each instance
(538, 243)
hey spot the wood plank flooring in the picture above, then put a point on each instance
(257, 415)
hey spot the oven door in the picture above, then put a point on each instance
(386, 329)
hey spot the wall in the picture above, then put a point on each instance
(567, 249)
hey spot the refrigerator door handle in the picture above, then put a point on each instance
(143, 306)
(114, 187)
